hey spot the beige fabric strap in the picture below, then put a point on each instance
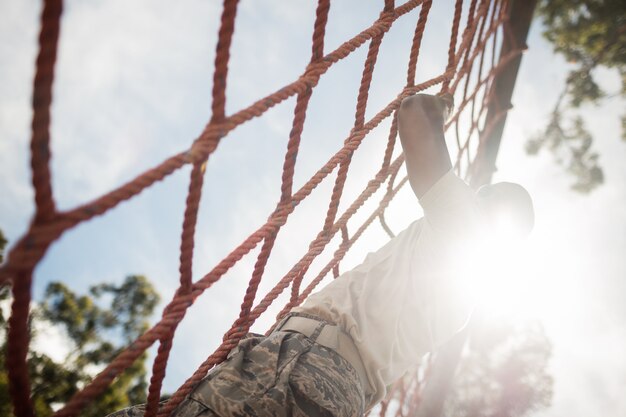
(332, 337)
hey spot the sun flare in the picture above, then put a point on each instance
(506, 277)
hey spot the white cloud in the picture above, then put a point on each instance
(51, 341)
(18, 29)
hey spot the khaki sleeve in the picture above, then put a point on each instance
(452, 227)
(450, 206)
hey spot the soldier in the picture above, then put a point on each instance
(336, 354)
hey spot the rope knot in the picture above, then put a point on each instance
(279, 217)
(206, 142)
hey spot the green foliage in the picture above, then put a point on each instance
(97, 325)
(3, 243)
(4, 289)
(503, 373)
(589, 34)
(571, 147)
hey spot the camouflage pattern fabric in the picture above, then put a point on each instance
(283, 374)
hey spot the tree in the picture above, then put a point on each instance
(4, 290)
(97, 325)
(3, 243)
(589, 34)
(502, 373)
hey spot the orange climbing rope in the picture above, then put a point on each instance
(472, 66)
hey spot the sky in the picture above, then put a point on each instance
(133, 86)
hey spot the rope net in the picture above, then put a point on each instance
(473, 63)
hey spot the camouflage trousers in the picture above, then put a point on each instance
(283, 374)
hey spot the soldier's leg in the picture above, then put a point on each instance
(284, 374)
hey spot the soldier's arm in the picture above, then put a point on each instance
(420, 123)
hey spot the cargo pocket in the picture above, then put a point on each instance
(323, 383)
(250, 378)
(276, 399)
(191, 408)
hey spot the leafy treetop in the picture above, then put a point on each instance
(589, 34)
